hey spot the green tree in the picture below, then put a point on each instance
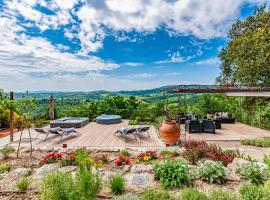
(246, 58)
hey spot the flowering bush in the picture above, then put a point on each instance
(147, 156)
(122, 160)
(195, 150)
(216, 154)
(51, 158)
(69, 160)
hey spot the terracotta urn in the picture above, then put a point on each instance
(170, 132)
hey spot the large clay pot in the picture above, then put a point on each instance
(170, 132)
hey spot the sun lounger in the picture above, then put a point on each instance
(134, 131)
(125, 131)
(68, 132)
(142, 129)
(56, 130)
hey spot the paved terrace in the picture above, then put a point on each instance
(102, 136)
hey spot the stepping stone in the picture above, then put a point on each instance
(140, 180)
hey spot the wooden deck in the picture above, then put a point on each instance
(100, 136)
(92, 135)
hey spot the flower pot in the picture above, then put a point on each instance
(170, 132)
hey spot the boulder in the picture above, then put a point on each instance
(45, 169)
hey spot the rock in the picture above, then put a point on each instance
(140, 180)
(18, 173)
(47, 149)
(67, 169)
(112, 158)
(140, 168)
(126, 168)
(239, 161)
(45, 169)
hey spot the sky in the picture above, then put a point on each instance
(86, 45)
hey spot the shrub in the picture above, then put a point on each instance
(51, 158)
(5, 168)
(258, 142)
(266, 160)
(23, 184)
(251, 192)
(254, 172)
(172, 173)
(85, 186)
(122, 160)
(192, 194)
(212, 172)
(195, 150)
(6, 150)
(147, 156)
(124, 152)
(59, 185)
(88, 183)
(117, 184)
(81, 155)
(219, 194)
(168, 152)
(156, 195)
(69, 160)
(217, 154)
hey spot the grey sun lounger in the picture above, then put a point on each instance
(56, 130)
(134, 131)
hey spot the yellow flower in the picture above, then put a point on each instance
(146, 158)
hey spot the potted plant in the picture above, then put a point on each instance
(169, 129)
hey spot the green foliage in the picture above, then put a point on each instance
(254, 172)
(81, 155)
(258, 142)
(41, 122)
(266, 160)
(192, 194)
(117, 184)
(5, 167)
(61, 186)
(6, 150)
(125, 152)
(125, 197)
(245, 60)
(218, 194)
(164, 152)
(23, 184)
(252, 192)
(212, 172)
(154, 194)
(88, 183)
(172, 173)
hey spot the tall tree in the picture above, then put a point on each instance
(246, 58)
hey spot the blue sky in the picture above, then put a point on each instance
(85, 45)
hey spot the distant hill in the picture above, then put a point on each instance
(155, 93)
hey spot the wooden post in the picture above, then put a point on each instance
(11, 117)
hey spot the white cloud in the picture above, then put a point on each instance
(176, 58)
(142, 75)
(202, 19)
(23, 54)
(210, 61)
(132, 64)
